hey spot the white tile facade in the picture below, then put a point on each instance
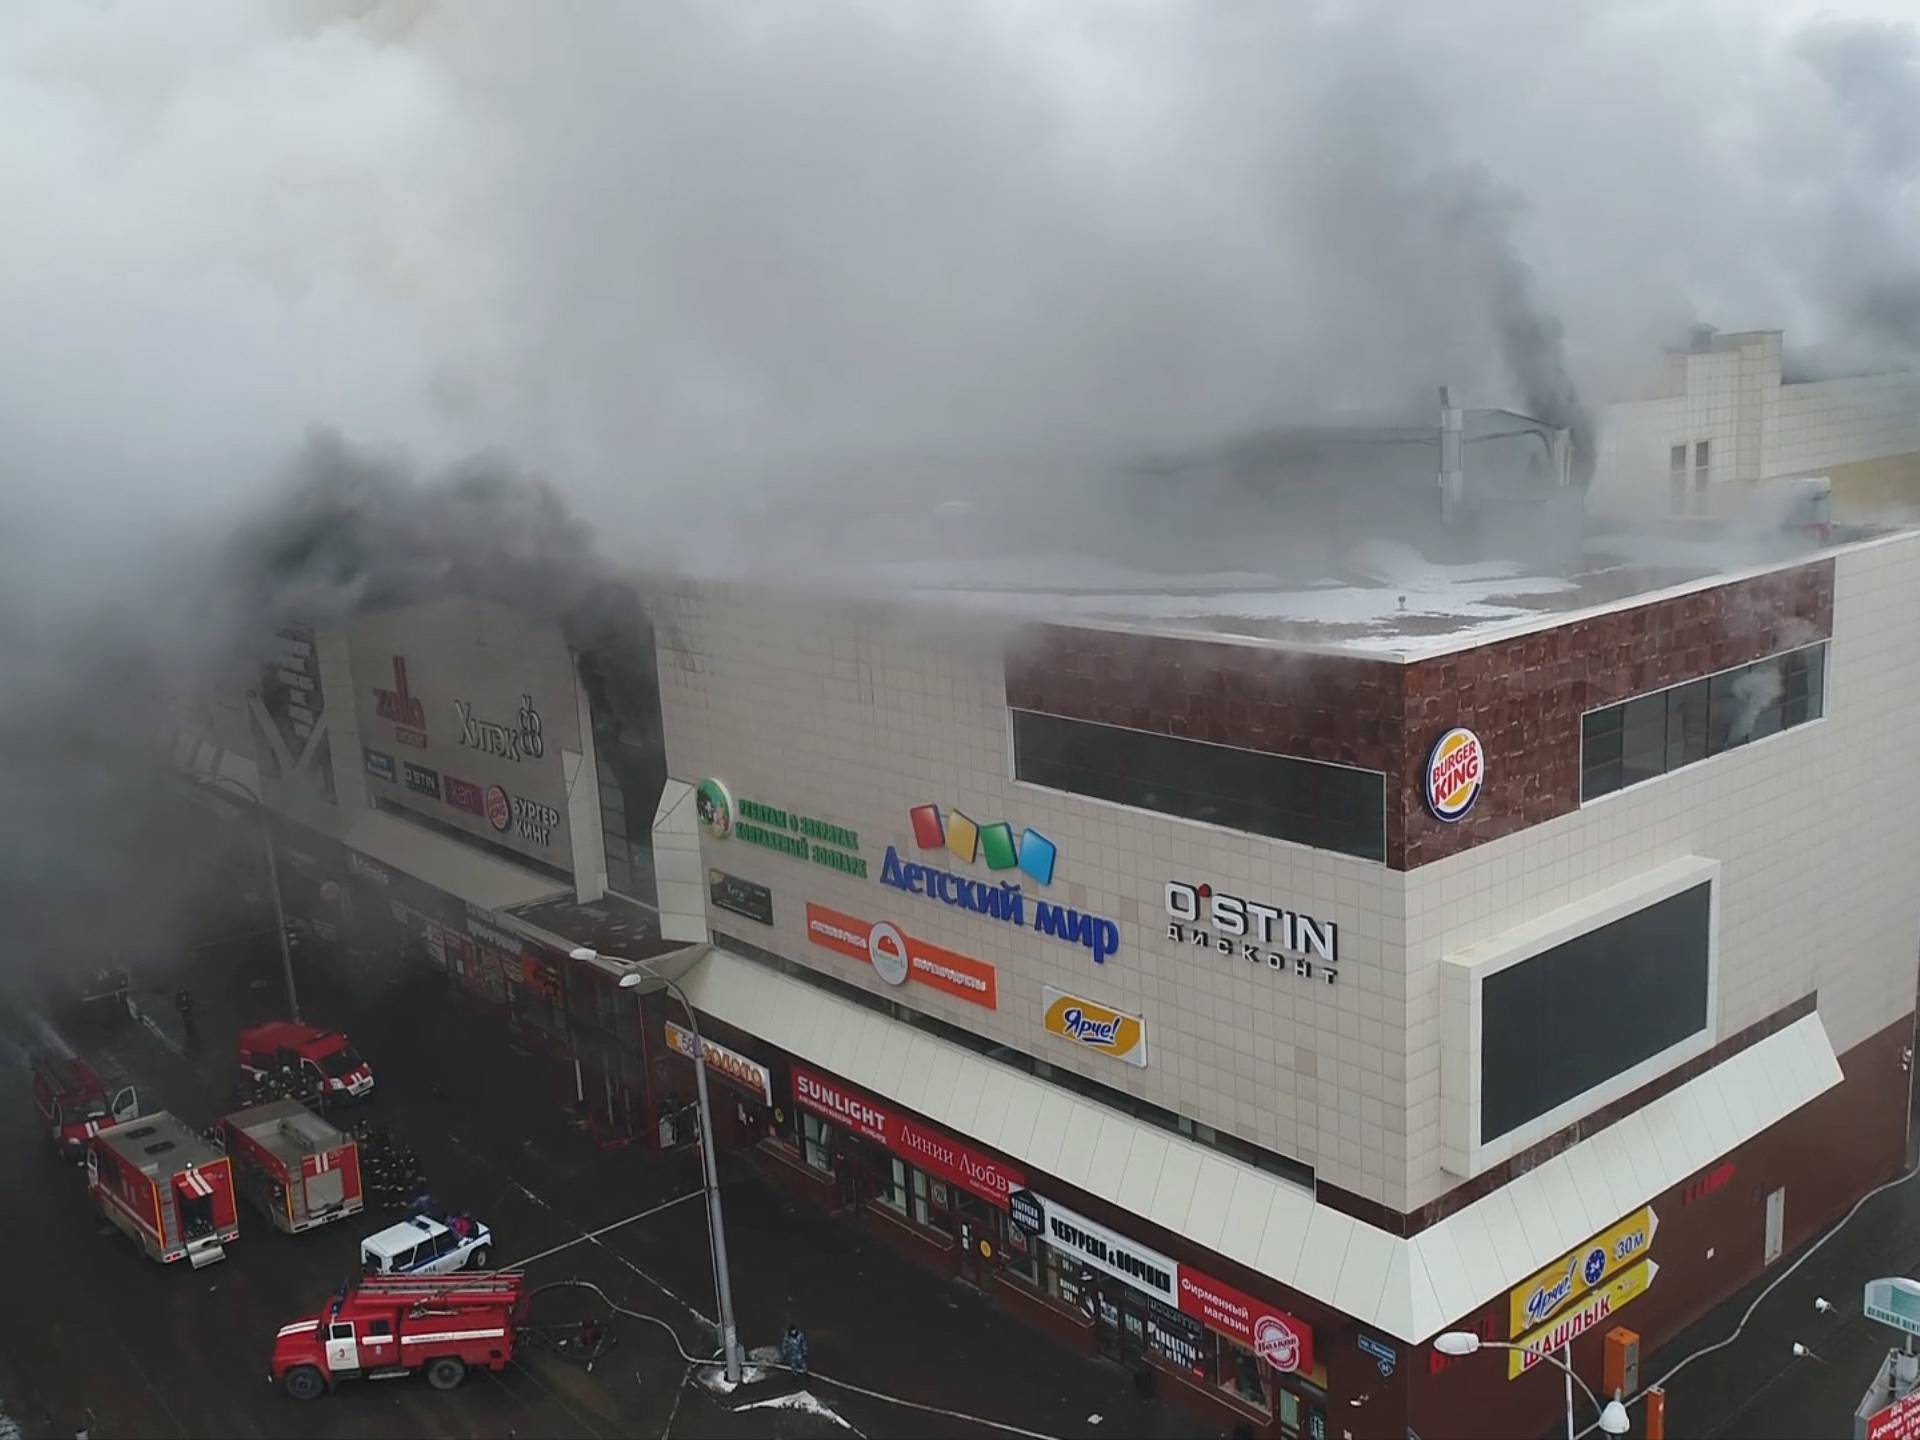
(854, 716)
(1757, 426)
(1817, 831)
(852, 719)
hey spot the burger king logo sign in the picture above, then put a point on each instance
(1456, 772)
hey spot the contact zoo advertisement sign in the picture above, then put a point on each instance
(467, 713)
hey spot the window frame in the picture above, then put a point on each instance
(1230, 1352)
(893, 1194)
(1815, 699)
(809, 1143)
(1015, 778)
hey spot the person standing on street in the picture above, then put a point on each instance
(793, 1350)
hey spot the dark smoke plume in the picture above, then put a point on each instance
(1477, 218)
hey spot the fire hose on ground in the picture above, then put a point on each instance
(810, 1374)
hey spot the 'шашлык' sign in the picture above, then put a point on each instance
(941, 1156)
(1275, 1336)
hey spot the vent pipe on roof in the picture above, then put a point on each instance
(1453, 486)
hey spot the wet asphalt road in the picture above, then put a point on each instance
(90, 1324)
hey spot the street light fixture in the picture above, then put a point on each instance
(273, 880)
(641, 974)
(1613, 1415)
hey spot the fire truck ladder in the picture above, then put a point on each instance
(292, 1132)
(427, 1290)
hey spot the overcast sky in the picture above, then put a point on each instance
(647, 248)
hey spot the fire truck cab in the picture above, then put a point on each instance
(322, 1057)
(387, 1326)
(166, 1188)
(75, 1104)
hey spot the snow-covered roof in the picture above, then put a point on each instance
(1382, 599)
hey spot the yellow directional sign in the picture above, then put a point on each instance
(1598, 1306)
(1540, 1297)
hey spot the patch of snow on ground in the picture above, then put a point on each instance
(715, 1378)
(799, 1400)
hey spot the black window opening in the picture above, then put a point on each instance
(1573, 1017)
(1651, 735)
(620, 671)
(1329, 807)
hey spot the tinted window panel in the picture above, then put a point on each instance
(1700, 719)
(1644, 739)
(1326, 806)
(1573, 1017)
(1686, 724)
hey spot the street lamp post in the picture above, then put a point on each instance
(273, 883)
(716, 1225)
(1613, 1415)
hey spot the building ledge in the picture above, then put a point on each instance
(1409, 1288)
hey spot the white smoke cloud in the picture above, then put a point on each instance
(651, 249)
(674, 258)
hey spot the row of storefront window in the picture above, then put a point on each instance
(1130, 1324)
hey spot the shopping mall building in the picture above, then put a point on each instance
(1246, 980)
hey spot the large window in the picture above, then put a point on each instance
(1638, 739)
(1242, 1375)
(1572, 1017)
(816, 1140)
(1330, 807)
(893, 1194)
(621, 675)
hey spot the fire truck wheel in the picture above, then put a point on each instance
(478, 1259)
(304, 1382)
(446, 1371)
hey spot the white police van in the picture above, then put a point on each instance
(423, 1245)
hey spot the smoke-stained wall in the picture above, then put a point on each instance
(469, 716)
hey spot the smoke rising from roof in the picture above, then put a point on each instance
(672, 255)
(680, 257)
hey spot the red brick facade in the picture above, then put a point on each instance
(1523, 696)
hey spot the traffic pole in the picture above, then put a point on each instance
(723, 1283)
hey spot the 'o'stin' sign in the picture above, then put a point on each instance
(1456, 771)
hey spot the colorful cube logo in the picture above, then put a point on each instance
(928, 833)
(997, 841)
(1037, 854)
(963, 838)
(968, 841)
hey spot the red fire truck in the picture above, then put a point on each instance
(298, 1170)
(75, 1103)
(385, 1326)
(322, 1057)
(167, 1188)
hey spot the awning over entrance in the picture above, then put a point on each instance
(1410, 1289)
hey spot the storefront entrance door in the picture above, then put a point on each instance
(976, 1223)
(1120, 1321)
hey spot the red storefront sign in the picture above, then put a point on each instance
(1275, 1336)
(1898, 1421)
(939, 1154)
